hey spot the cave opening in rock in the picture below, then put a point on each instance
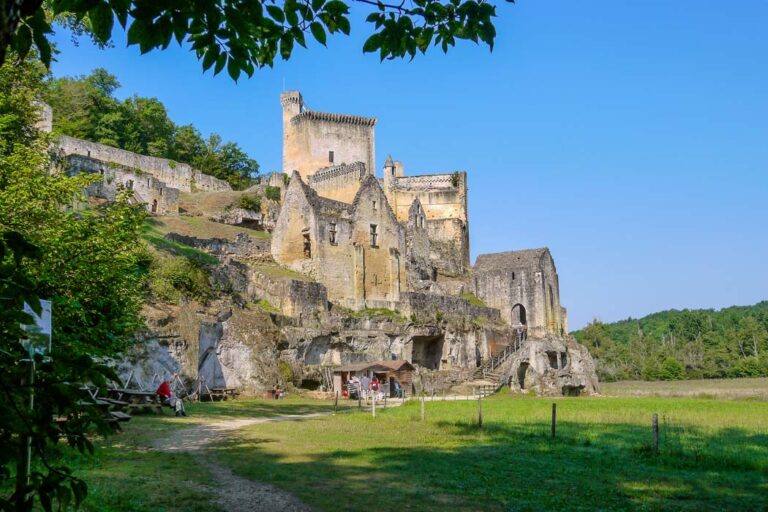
(427, 351)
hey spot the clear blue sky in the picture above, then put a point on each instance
(631, 138)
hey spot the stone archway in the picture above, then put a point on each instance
(519, 315)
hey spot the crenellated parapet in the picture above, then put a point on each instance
(311, 115)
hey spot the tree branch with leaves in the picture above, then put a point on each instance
(244, 35)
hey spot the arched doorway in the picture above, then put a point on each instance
(519, 315)
(154, 206)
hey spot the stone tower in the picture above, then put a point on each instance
(318, 140)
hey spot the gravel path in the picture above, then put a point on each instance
(234, 493)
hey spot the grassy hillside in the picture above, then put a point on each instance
(672, 345)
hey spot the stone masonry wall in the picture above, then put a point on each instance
(173, 174)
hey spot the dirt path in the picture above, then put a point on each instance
(234, 493)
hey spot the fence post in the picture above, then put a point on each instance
(655, 427)
(336, 403)
(480, 412)
(422, 407)
(359, 399)
(554, 420)
(373, 406)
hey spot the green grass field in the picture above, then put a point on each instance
(714, 456)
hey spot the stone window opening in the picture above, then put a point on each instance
(332, 233)
(374, 204)
(513, 276)
(307, 245)
(101, 171)
(89, 153)
(330, 156)
(129, 184)
(154, 206)
(374, 235)
(161, 192)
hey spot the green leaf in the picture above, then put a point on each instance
(276, 13)
(286, 46)
(210, 57)
(318, 32)
(233, 69)
(221, 61)
(372, 44)
(102, 21)
(317, 4)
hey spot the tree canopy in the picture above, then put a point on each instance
(670, 345)
(244, 35)
(86, 107)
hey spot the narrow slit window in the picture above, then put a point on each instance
(332, 233)
(374, 205)
(374, 235)
(330, 156)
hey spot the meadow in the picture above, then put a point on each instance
(713, 456)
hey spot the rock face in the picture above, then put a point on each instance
(552, 366)
(270, 329)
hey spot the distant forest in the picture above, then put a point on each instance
(85, 107)
(687, 344)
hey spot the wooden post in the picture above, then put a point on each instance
(385, 400)
(655, 427)
(373, 406)
(422, 408)
(359, 399)
(554, 420)
(336, 403)
(480, 412)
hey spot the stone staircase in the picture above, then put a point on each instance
(496, 369)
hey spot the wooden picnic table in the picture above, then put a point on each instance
(137, 399)
(215, 394)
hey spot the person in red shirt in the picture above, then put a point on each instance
(166, 396)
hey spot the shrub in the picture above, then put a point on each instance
(286, 179)
(249, 202)
(455, 179)
(671, 369)
(174, 277)
(272, 193)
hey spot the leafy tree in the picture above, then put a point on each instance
(706, 343)
(243, 35)
(89, 263)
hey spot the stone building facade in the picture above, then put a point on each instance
(422, 228)
(524, 286)
(357, 249)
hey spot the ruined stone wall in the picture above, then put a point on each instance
(243, 246)
(309, 137)
(146, 189)
(340, 182)
(173, 174)
(427, 305)
(419, 268)
(443, 196)
(449, 246)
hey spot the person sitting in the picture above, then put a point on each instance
(166, 396)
